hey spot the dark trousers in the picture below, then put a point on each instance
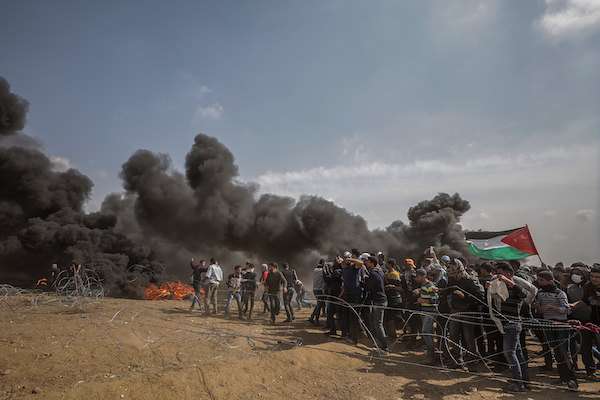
(332, 310)
(464, 333)
(287, 302)
(350, 324)
(319, 307)
(588, 340)
(559, 341)
(274, 305)
(248, 302)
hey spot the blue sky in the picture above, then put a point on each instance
(375, 105)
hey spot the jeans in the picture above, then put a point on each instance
(319, 307)
(514, 353)
(248, 302)
(558, 341)
(211, 297)
(427, 332)
(376, 317)
(238, 299)
(196, 298)
(287, 303)
(274, 305)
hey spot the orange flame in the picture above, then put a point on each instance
(168, 291)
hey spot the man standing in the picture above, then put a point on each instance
(428, 302)
(198, 271)
(510, 310)
(214, 276)
(375, 296)
(234, 287)
(248, 290)
(288, 294)
(591, 297)
(552, 304)
(274, 283)
(318, 287)
(353, 274)
(332, 275)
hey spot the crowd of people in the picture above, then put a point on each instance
(466, 316)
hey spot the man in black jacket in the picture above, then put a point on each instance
(465, 296)
(332, 274)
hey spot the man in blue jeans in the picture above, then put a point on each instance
(510, 309)
(375, 295)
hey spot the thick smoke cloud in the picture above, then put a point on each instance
(13, 110)
(164, 214)
(210, 211)
(42, 219)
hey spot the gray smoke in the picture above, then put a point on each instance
(168, 216)
(208, 211)
(42, 219)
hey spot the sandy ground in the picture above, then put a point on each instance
(132, 349)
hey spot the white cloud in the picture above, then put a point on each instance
(60, 164)
(566, 18)
(484, 215)
(585, 215)
(420, 168)
(212, 111)
(550, 213)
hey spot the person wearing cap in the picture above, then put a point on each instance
(375, 296)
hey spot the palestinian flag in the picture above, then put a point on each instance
(513, 244)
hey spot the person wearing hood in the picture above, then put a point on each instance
(465, 297)
(552, 304)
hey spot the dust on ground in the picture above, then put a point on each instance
(132, 349)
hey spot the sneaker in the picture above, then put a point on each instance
(287, 320)
(573, 385)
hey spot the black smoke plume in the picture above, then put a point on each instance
(42, 219)
(164, 214)
(210, 211)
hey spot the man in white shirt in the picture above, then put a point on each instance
(214, 276)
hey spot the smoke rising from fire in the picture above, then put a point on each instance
(165, 216)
